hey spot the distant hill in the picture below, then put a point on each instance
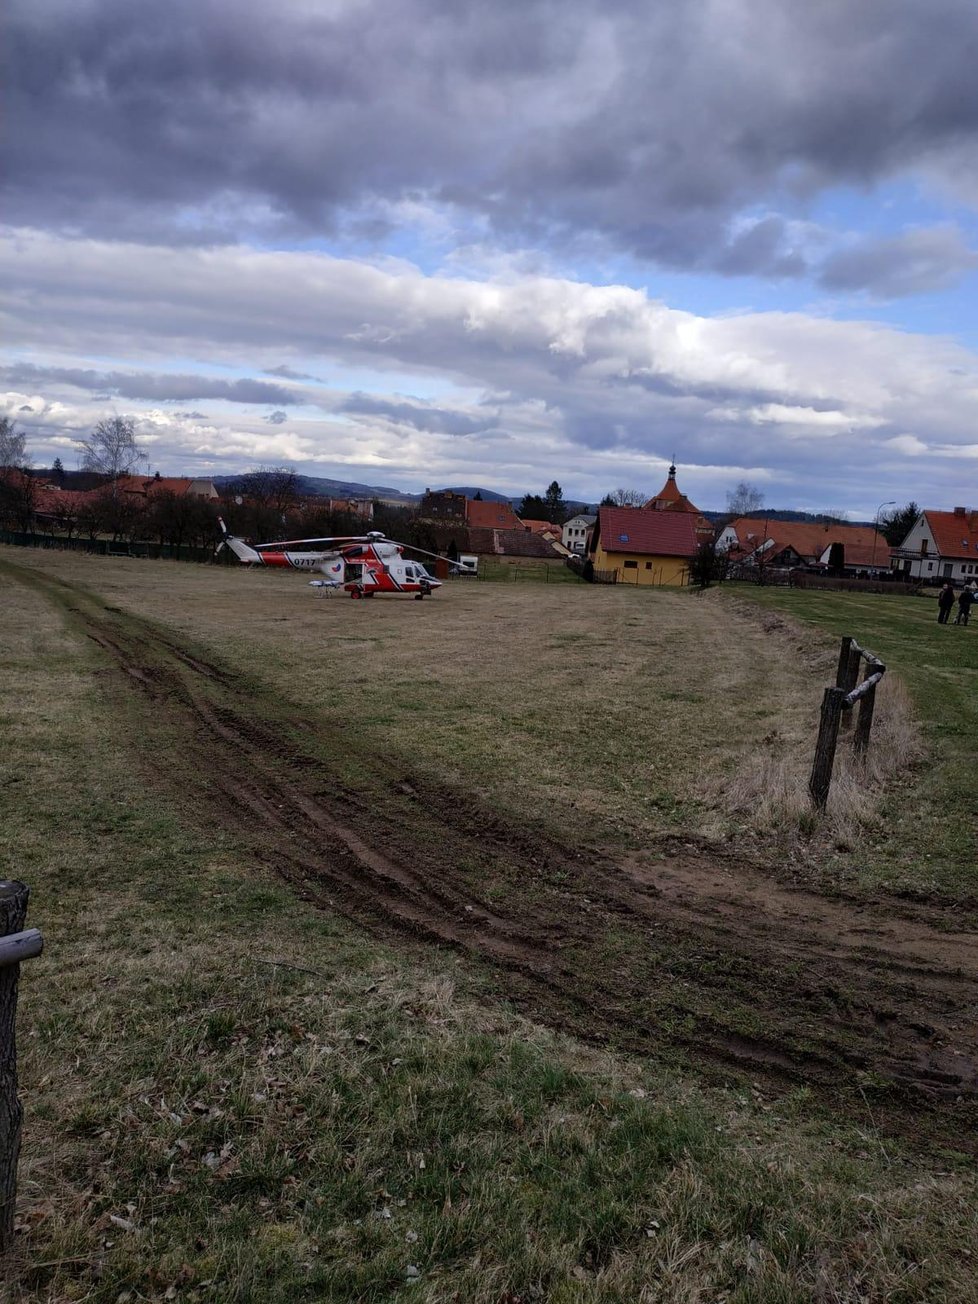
(784, 514)
(322, 487)
(488, 495)
(319, 487)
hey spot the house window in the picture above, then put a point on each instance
(648, 565)
(923, 547)
(930, 565)
(631, 565)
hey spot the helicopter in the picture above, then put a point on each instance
(362, 564)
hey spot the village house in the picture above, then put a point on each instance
(759, 541)
(574, 533)
(360, 507)
(147, 486)
(643, 546)
(480, 515)
(940, 546)
(442, 505)
(652, 544)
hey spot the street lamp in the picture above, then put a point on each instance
(876, 529)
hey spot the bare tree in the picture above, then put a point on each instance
(625, 498)
(13, 445)
(744, 499)
(111, 449)
(269, 486)
(64, 512)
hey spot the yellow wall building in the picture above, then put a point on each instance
(653, 544)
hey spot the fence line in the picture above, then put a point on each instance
(836, 715)
(118, 548)
(16, 944)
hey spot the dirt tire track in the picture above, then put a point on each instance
(684, 948)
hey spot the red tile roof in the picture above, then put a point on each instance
(510, 543)
(635, 530)
(809, 539)
(670, 498)
(954, 536)
(141, 484)
(490, 516)
(541, 527)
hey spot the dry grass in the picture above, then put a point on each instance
(770, 788)
(204, 1126)
(597, 709)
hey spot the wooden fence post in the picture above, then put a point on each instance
(13, 912)
(828, 736)
(842, 672)
(847, 675)
(864, 724)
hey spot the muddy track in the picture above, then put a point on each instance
(683, 950)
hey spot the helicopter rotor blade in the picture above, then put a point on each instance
(325, 542)
(439, 556)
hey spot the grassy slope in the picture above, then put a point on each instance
(204, 1125)
(603, 710)
(930, 841)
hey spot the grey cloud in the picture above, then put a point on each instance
(647, 126)
(287, 373)
(442, 421)
(160, 387)
(762, 249)
(914, 263)
(193, 416)
(277, 418)
(25, 407)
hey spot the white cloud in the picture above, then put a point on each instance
(554, 377)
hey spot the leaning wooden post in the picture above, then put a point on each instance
(847, 675)
(842, 672)
(15, 946)
(828, 736)
(867, 704)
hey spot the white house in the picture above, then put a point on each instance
(940, 546)
(575, 531)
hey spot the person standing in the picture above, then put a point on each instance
(945, 601)
(965, 599)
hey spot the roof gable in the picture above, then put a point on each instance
(954, 535)
(634, 530)
(490, 516)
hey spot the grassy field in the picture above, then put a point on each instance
(235, 1095)
(613, 708)
(929, 839)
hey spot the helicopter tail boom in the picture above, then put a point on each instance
(240, 549)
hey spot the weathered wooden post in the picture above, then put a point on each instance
(828, 736)
(847, 674)
(15, 945)
(867, 704)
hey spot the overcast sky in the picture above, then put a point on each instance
(433, 243)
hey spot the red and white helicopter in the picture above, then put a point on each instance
(362, 564)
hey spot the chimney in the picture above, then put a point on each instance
(959, 511)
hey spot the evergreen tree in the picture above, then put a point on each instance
(895, 526)
(555, 507)
(532, 508)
